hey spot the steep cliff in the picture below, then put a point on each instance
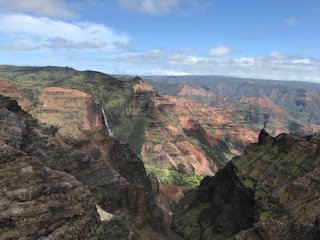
(52, 186)
(9, 90)
(271, 192)
(166, 132)
(182, 134)
(196, 131)
(70, 110)
(258, 111)
(300, 100)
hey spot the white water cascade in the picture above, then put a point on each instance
(106, 122)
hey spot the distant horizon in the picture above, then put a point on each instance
(147, 75)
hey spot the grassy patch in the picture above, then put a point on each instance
(173, 177)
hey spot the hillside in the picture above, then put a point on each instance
(259, 112)
(270, 192)
(167, 132)
(62, 188)
(195, 132)
(301, 100)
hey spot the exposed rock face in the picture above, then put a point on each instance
(301, 100)
(36, 201)
(71, 110)
(173, 193)
(9, 90)
(196, 131)
(278, 230)
(258, 111)
(301, 104)
(201, 95)
(271, 192)
(190, 137)
(50, 185)
(261, 112)
(142, 87)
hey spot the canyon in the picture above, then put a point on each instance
(196, 129)
(64, 177)
(55, 187)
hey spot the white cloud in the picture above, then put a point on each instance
(162, 57)
(277, 55)
(23, 32)
(154, 7)
(48, 8)
(19, 46)
(291, 21)
(62, 43)
(219, 51)
(275, 65)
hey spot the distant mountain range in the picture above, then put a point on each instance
(301, 100)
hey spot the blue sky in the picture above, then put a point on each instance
(248, 38)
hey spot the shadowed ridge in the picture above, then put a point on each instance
(49, 187)
(270, 192)
(263, 137)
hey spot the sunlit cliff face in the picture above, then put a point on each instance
(71, 110)
(182, 131)
(9, 90)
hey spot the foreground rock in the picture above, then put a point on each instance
(271, 192)
(51, 186)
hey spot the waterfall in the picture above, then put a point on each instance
(106, 122)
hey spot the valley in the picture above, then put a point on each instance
(159, 120)
(189, 164)
(194, 129)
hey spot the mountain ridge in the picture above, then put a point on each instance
(54, 184)
(196, 131)
(270, 192)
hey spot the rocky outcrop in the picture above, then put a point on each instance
(52, 185)
(258, 112)
(261, 113)
(193, 138)
(195, 132)
(272, 229)
(202, 95)
(301, 100)
(9, 90)
(70, 110)
(271, 192)
(38, 202)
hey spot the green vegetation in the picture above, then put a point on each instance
(209, 151)
(188, 224)
(94, 83)
(112, 93)
(131, 131)
(173, 177)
